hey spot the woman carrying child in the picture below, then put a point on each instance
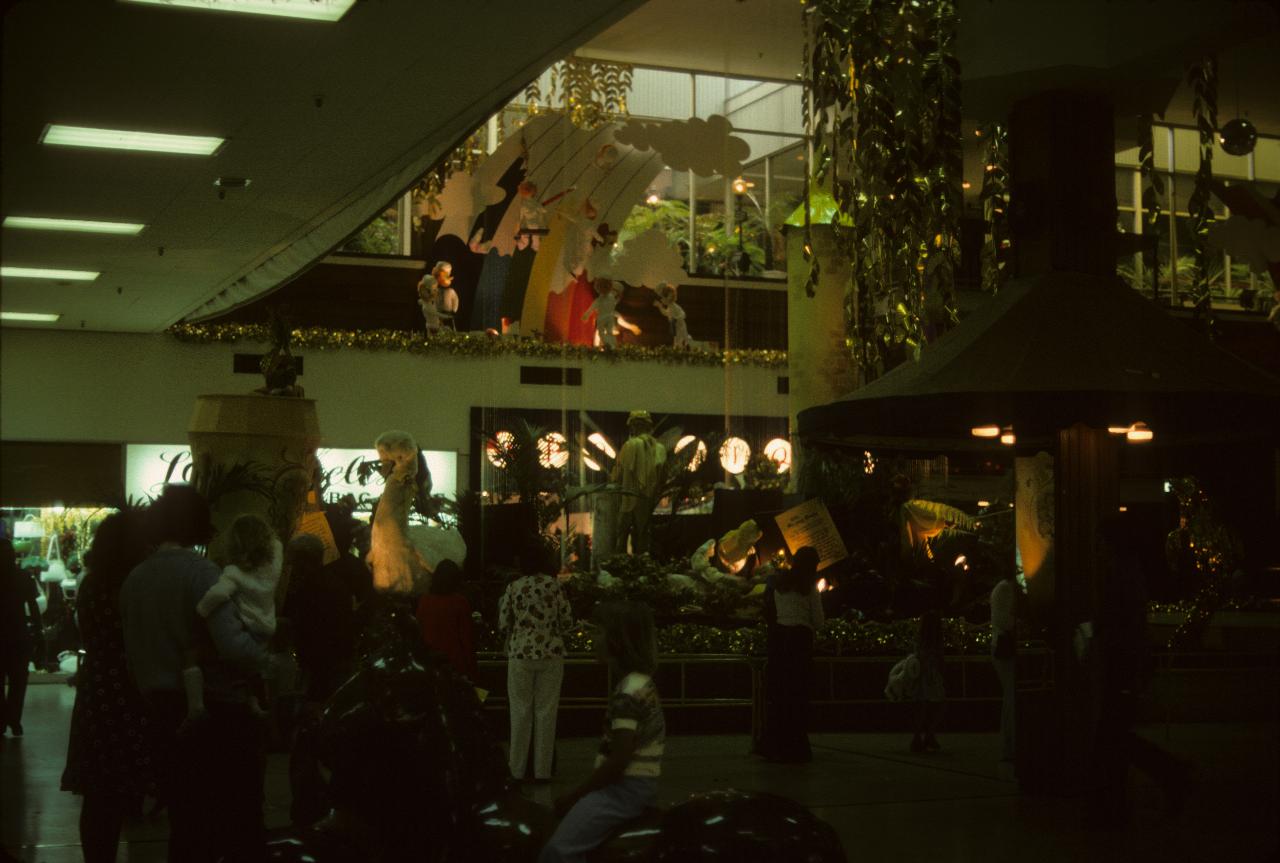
(249, 582)
(625, 780)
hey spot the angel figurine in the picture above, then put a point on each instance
(436, 298)
(605, 308)
(667, 304)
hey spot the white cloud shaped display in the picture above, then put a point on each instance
(705, 147)
(649, 260)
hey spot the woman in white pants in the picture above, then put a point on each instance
(534, 615)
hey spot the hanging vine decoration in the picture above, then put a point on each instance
(1203, 77)
(467, 156)
(1217, 553)
(994, 197)
(591, 92)
(884, 85)
(1152, 194)
(806, 76)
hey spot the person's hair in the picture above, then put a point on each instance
(446, 579)
(802, 575)
(306, 550)
(931, 630)
(180, 515)
(629, 636)
(119, 544)
(250, 542)
(535, 558)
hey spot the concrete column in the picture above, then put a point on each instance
(819, 367)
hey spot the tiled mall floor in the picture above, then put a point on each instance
(886, 803)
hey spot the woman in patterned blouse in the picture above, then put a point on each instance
(533, 614)
(110, 757)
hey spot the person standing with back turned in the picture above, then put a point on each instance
(211, 773)
(534, 614)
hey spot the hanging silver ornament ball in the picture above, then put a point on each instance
(1238, 137)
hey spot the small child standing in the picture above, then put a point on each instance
(930, 691)
(625, 780)
(250, 582)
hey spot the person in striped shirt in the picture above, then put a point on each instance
(625, 780)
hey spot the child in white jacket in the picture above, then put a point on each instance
(249, 581)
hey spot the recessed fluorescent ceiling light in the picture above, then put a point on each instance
(123, 139)
(39, 317)
(87, 226)
(312, 10)
(46, 273)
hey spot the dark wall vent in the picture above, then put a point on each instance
(551, 376)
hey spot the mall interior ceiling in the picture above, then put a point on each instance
(328, 121)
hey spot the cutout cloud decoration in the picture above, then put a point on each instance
(648, 259)
(705, 147)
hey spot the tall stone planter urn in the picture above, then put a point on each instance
(256, 454)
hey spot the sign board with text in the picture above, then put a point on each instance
(149, 466)
(810, 524)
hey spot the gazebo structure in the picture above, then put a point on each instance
(1059, 356)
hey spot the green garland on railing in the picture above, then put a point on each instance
(472, 345)
(837, 637)
(884, 112)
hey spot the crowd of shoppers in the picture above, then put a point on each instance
(176, 652)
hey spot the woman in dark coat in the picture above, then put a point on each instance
(110, 757)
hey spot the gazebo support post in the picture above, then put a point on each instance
(1063, 204)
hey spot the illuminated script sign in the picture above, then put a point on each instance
(811, 524)
(149, 466)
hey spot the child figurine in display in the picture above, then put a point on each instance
(667, 304)
(442, 272)
(605, 308)
(429, 302)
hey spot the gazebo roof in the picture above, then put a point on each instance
(1052, 350)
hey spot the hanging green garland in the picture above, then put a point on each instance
(473, 346)
(1203, 77)
(884, 117)
(1216, 551)
(1152, 195)
(994, 197)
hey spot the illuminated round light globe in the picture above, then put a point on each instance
(552, 453)
(504, 441)
(734, 455)
(778, 451)
(699, 453)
